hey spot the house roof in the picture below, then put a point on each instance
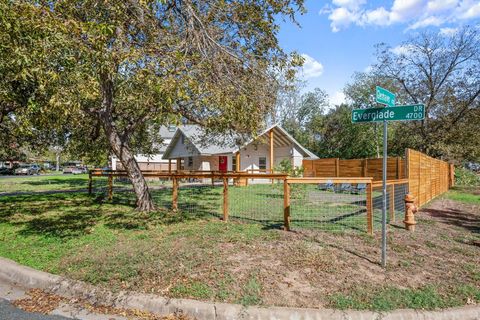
(200, 145)
(167, 133)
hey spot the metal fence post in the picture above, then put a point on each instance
(384, 204)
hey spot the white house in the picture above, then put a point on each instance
(192, 150)
(156, 161)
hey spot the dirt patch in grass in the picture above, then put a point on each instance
(212, 261)
(204, 258)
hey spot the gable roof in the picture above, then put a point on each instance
(195, 134)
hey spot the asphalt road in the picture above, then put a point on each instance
(10, 312)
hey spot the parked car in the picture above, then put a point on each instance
(28, 169)
(74, 170)
(7, 171)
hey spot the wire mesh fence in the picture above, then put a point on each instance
(329, 206)
(338, 205)
(395, 203)
(260, 201)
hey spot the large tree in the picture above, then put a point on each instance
(441, 72)
(115, 71)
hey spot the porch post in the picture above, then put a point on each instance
(179, 162)
(169, 165)
(237, 161)
(271, 151)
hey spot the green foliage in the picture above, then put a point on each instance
(390, 298)
(464, 194)
(101, 77)
(193, 289)
(251, 294)
(286, 166)
(439, 71)
(465, 177)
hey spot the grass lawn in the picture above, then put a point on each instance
(44, 183)
(464, 194)
(193, 254)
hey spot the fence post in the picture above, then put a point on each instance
(110, 187)
(369, 209)
(286, 205)
(398, 167)
(452, 176)
(225, 199)
(392, 203)
(337, 167)
(174, 194)
(90, 181)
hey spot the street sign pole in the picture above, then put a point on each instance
(386, 98)
(390, 112)
(384, 207)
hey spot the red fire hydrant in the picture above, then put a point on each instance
(410, 210)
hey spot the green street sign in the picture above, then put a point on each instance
(385, 97)
(398, 113)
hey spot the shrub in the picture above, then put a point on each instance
(465, 177)
(285, 166)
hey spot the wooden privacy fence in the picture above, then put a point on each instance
(335, 167)
(427, 177)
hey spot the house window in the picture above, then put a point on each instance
(190, 162)
(262, 163)
(234, 163)
(172, 128)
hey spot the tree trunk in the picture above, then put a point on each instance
(126, 157)
(120, 147)
(57, 161)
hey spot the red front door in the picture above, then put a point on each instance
(222, 163)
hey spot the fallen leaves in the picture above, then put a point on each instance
(43, 302)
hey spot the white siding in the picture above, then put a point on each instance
(249, 156)
(297, 158)
(183, 149)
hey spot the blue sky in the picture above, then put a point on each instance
(337, 37)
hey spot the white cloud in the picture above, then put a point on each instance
(403, 10)
(415, 13)
(311, 67)
(341, 17)
(379, 16)
(441, 5)
(337, 98)
(402, 50)
(350, 4)
(448, 32)
(469, 10)
(428, 21)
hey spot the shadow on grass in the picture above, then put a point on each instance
(68, 181)
(69, 215)
(468, 221)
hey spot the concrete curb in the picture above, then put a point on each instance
(26, 277)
